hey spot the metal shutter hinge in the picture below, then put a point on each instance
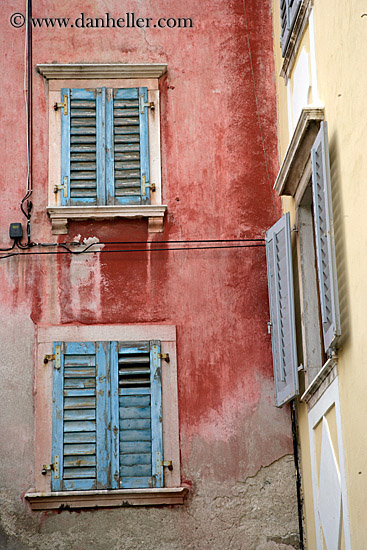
(143, 104)
(269, 327)
(332, 353)
(146, 185)
(63, 187)
(164, 356)
(63, 105)
(56, 357)
(166, 464)
(55, 467)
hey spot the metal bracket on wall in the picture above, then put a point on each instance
(55, 467)
(164, 356)
(143, 104)
(145, 185)
(56, 357)
(167, 464)
(63, 105)
(63, 187)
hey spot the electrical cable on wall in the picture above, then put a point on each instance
(87, 250)
(28, 68)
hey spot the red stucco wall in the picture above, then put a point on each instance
(216, 184)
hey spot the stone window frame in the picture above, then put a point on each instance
(115, 75)
(41, 497)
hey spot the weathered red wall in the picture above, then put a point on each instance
(216, 185)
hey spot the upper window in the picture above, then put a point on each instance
(104, 143)
(288, 14)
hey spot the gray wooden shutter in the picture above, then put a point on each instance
(139, 405)
(288, 14)
(80, 442)
(324, 229)
(281, 302)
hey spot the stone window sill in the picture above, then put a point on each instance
(321, 382)
(102, 499)
(60, 215)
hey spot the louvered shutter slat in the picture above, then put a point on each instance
(324, 229)
(281, 302)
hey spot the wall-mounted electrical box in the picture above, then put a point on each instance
(15, 231)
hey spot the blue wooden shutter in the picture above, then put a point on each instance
(80, 417)
(127, 147)
(281, 302)
(140, 415)
(324, 229)
(288, 14)
(82, 136)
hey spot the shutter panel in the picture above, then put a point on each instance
(80, 397)
(127, 132)
(281, 302)
(79, 147)
(140, 427)
(324, 229)
(288, 14)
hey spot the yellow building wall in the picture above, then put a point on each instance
(340, 32)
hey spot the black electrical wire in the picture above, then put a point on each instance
(77, 243)
(29, 126)
(87, 251)
(298, 473)
(183, 241)
(7, 249)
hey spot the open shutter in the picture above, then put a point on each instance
(80, 413)
(281, 301)
(127, 147)
(140, 415)
(288, 14)
(324, 229)
(82, 147)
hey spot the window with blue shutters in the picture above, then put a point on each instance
(104, 147)
(107, 416)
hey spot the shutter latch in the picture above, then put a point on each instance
(63, 187)
(55, 357)
(63, 105)
(143, 104)
(146, 185)
(55, 467)
(164, 356)
(167, 464)
(269, 327)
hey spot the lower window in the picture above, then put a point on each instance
(107, 416)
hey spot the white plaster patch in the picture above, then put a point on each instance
(301, 85)
(85, 272)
